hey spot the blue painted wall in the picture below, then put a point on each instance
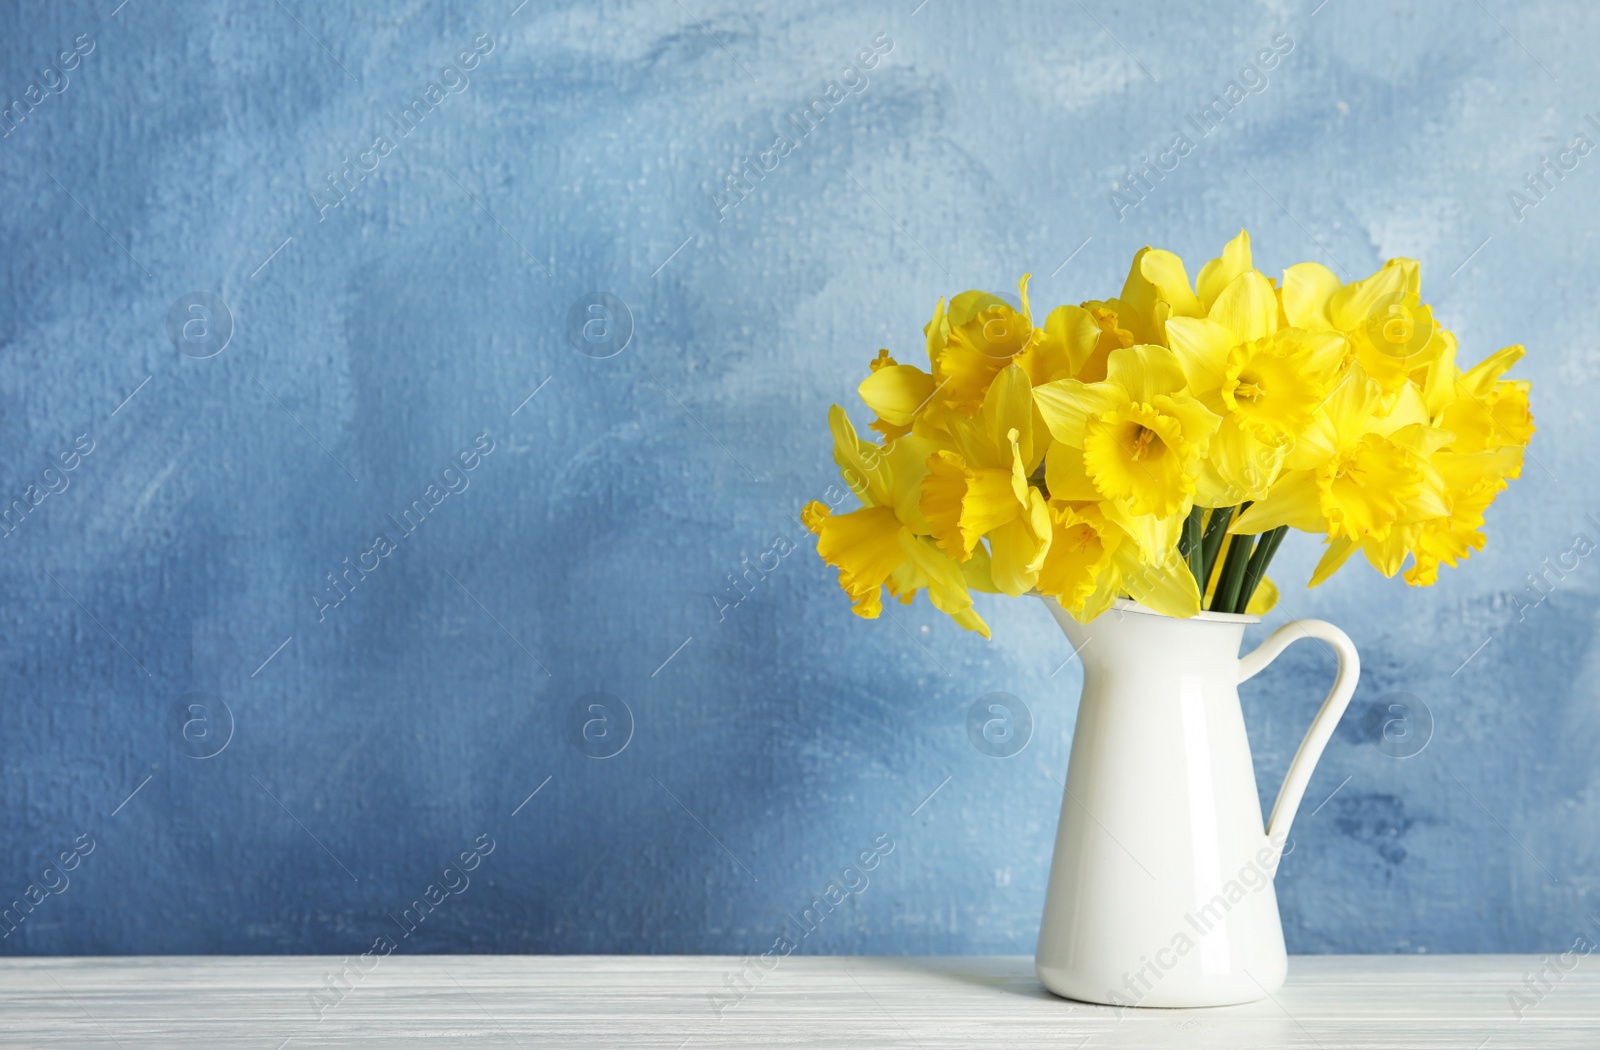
(170, 594)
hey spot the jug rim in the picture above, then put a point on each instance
(1128, 605)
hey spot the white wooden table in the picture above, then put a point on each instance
(609, 1001)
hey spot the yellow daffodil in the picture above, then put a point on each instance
(1274, 386)
(873, 548)
(1139, 446)
(1484, 411)
(1361, 472)
(1082, 546)
(864, 545)
(1148, 566)
(897, 393)
(1473, 481)
(1141, 436)
(974, 341)
(1266, 382)
(1157, 288)
(1140, 559)
(980, 488)
(1485, 425)
(1095, 558)
(1387, 326)
(1074, 344)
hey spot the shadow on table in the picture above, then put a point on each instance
(1007, 975)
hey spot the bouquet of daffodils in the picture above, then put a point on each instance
(1159, 445)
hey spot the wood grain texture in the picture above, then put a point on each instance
(266, 1003)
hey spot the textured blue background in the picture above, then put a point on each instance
(387, 332)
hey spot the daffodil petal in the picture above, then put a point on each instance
(1149, 533)
(1388, 554)
(977, 573)
(1238, 466)
(1081, 548)
(1165, 585)
(1373, 486)
(1067, 405)
(1306, 291)
(896, 393)
(861, 462)
(936, 332)
(1354, 304)
(945, 582)
(1075, 329)
(1164, 270)
(1295, 501)
(1265, 597)
(1217, 274)
(1248, 306)
(1338, 552)
(962, 503)
(1480, 378)
(1145, 371)
(970, 620)
(864, 546)
(1201, 347)
(1008, 407)
(907, 457)
(1157, 288)
(1065, 476)
(1019, 547)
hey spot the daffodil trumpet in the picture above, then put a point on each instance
(1159, 445)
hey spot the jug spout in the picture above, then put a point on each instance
(1078, 634)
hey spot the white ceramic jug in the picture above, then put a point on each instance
(1161, 888)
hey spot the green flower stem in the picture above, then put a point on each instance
(1233, 567)
(1211, 545)
(1256, 570)
(1190, 546)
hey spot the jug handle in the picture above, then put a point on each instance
(1298, 777)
